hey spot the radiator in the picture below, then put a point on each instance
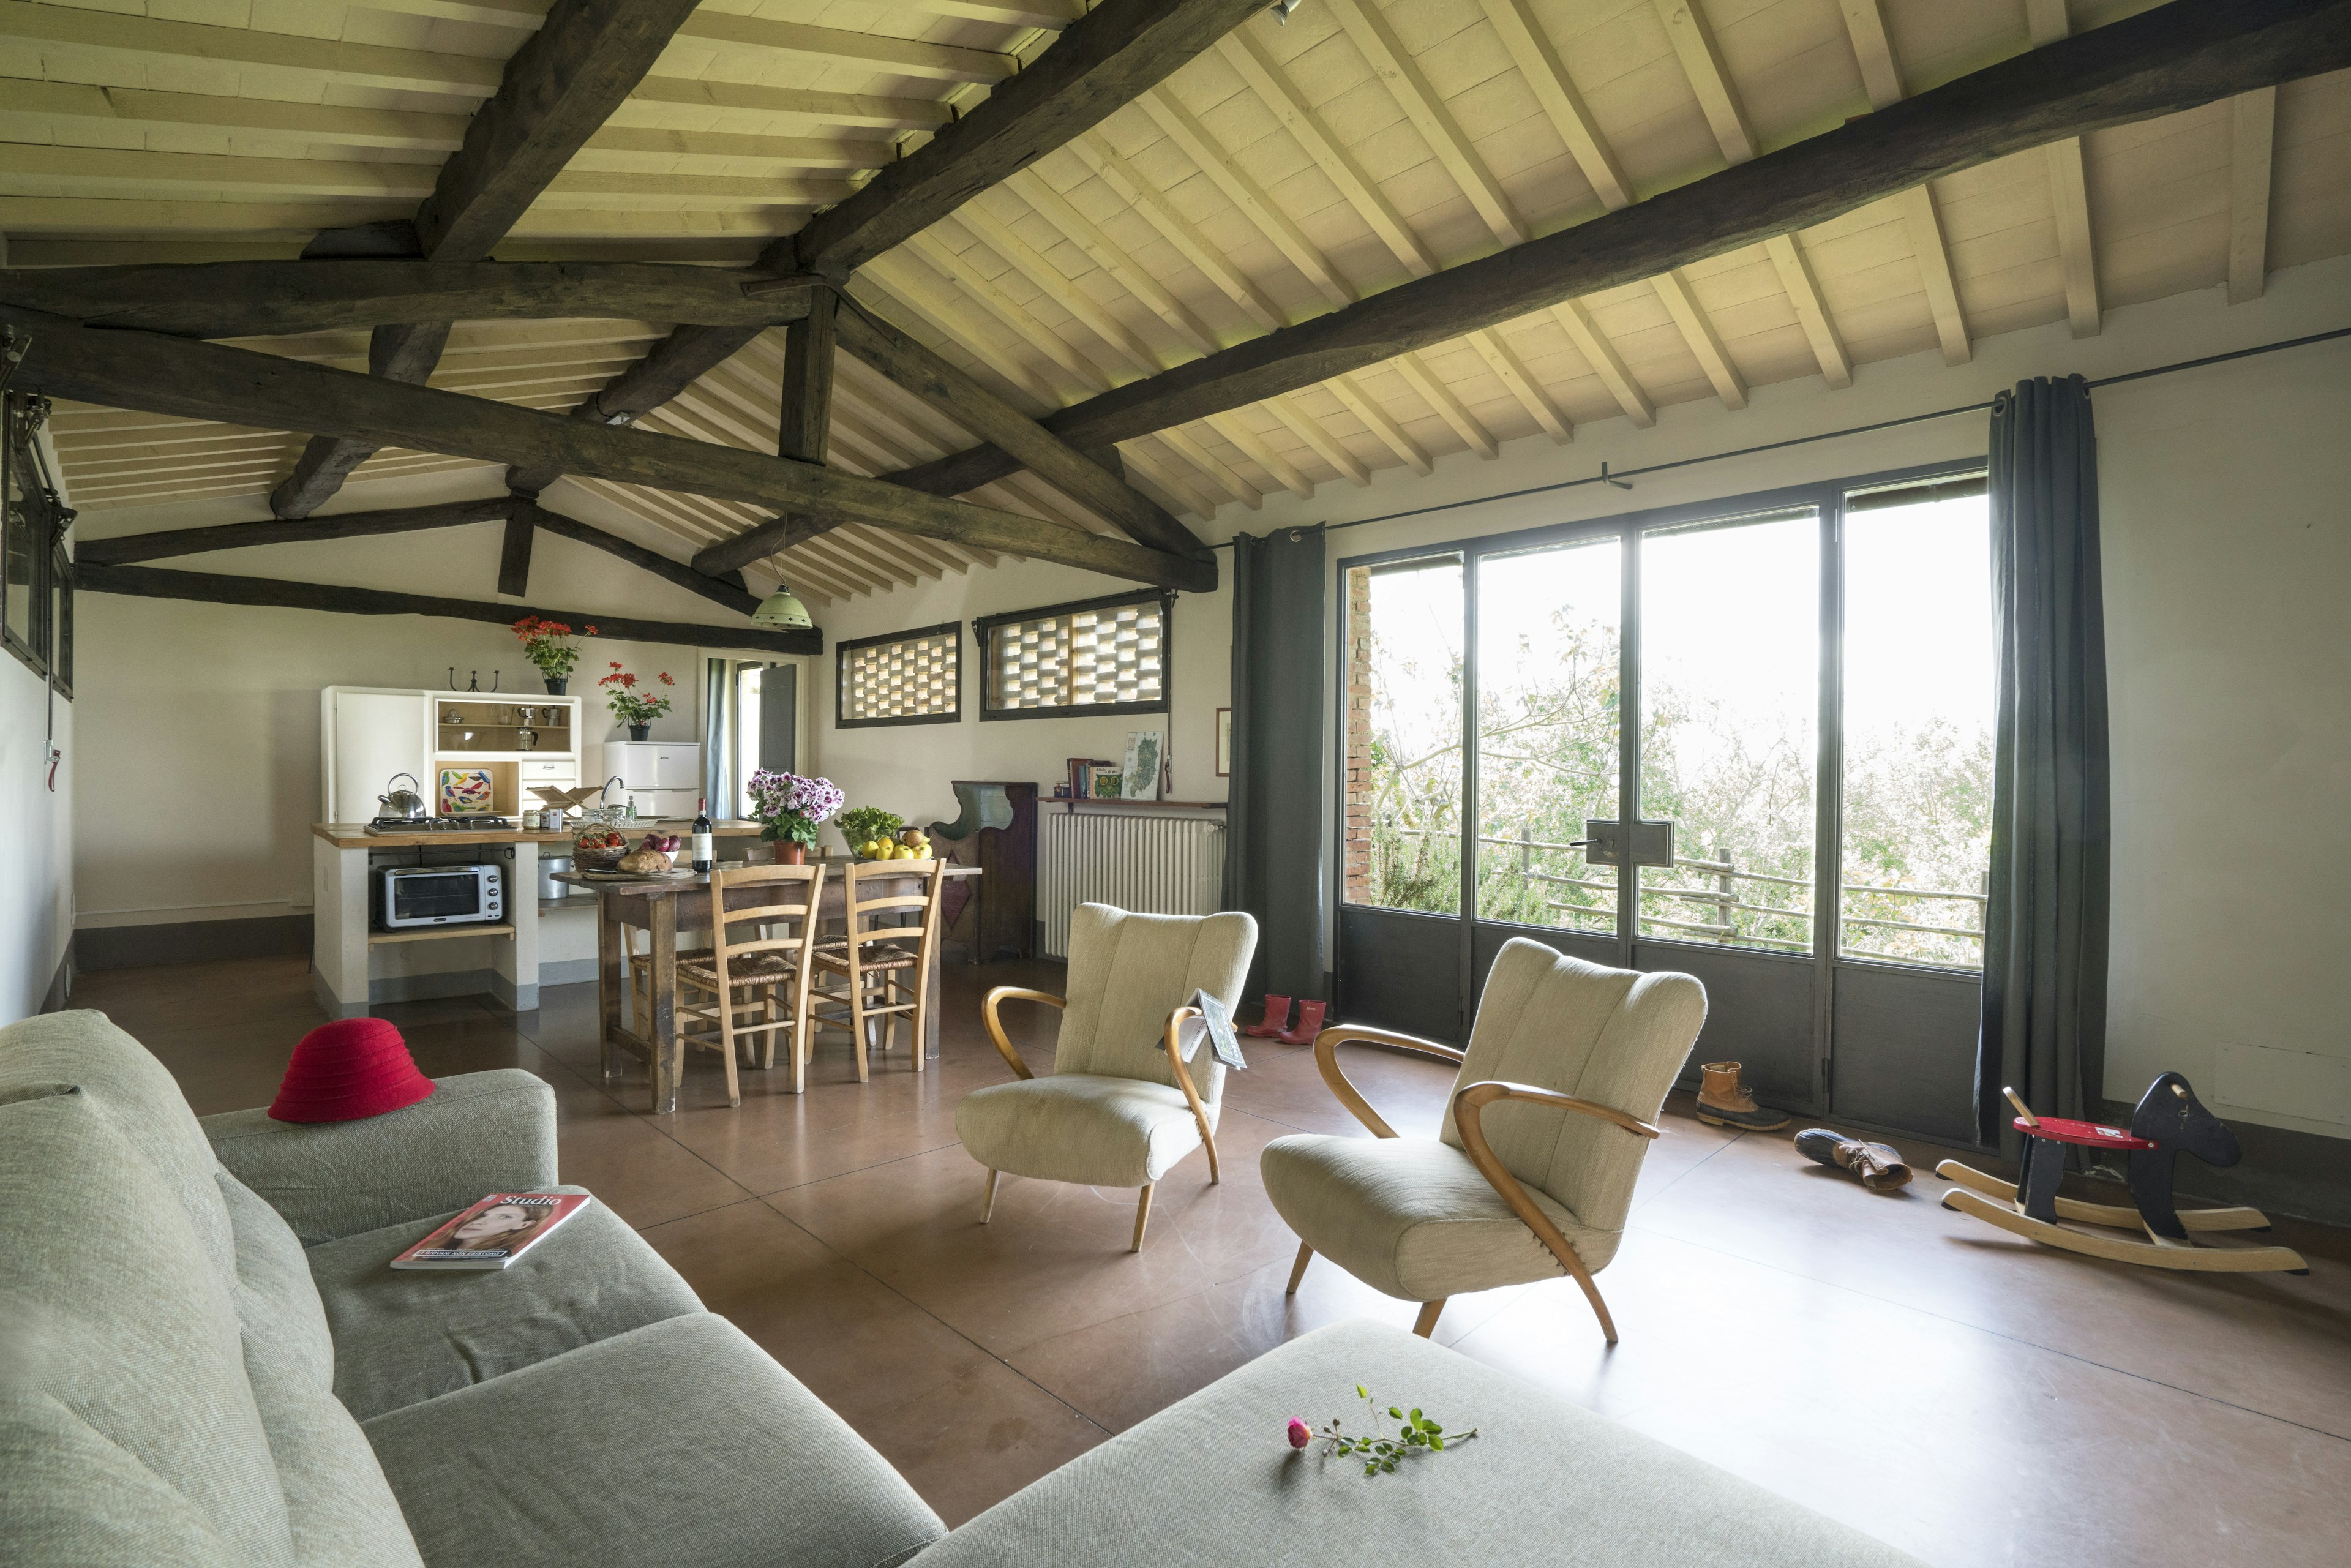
(1148, 864)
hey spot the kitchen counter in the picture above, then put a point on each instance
(354, 966)
(355, 836)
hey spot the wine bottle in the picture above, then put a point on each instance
(701, 852)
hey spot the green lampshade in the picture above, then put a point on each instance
(782, 611)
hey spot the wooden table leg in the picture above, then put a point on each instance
(611, 950)
(669, 1052)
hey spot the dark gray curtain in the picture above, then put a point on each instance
(1274, 823)
(2044, 984)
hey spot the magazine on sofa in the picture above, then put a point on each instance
(494, 1232)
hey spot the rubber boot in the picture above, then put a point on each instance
(1880, 1166)
(1277, 1018)
(1310, 1023)
(1723, 1102)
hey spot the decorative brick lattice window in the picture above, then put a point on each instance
(906, 677)
(1103, 656)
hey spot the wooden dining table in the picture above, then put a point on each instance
(662, 908)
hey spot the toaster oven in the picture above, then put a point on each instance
(441, 894)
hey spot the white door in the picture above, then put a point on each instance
(376, 735)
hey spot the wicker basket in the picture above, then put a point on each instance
(585, 859)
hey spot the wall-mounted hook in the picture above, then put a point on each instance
(1606, 478)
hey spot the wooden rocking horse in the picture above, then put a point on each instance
(2170, 1119)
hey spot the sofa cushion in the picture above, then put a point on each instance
(679, 1443)
(274, 1299)
(402, 1336)
(1543, 1483)
(123, 1394)
(1077, 1127)
(1412, 1217)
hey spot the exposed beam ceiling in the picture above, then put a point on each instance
(2173, 58)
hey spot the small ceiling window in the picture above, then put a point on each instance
(1101, 656)
(905, 677)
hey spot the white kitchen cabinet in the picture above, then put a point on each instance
(369, 736)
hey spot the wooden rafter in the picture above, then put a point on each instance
(2069, 192)
(554, 92)
(2158, 62)
(1099, 63)
(173, 375)
(2253, 127)
(278, 298)
(219, 588)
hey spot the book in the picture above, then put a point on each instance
(494, 1232)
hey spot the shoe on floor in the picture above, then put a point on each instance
(1880, 1166)
(1723, 1102)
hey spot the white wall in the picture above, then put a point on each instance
(36, 841)
(907, 768)
(202, 720)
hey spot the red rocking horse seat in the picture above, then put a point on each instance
(2090, 1134)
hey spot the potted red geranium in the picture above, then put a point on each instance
(634, 708)
(549, 645)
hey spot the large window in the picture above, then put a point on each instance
(1102, 656)
(1730, 693)
(1402, 848)
(1549, 625)
(1918, 723)
(1868, 841)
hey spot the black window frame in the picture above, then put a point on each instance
(841, 652)
(20, 417)
(61, 621)
(984, 631)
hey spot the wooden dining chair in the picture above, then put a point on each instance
(881, 972)
(753, 982)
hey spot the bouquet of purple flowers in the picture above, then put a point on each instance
(791, 807)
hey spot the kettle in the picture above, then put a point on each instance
(403, 805)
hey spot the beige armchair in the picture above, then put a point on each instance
(1120, 1106)
(1532, 1171)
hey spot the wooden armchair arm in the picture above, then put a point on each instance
(987, 1005)
(1326, 1061)
(1468, 1108)
(1184, 1082)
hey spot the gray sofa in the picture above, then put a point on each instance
(203, 1360)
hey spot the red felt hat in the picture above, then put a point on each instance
(346, 1071)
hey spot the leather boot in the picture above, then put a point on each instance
(1723, 1102)
(1880, 1166)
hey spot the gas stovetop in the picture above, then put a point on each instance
(443, 825)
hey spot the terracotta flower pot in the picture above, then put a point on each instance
(790, 852)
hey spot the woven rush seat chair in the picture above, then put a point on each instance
(1121, 1107)
(883, 972)
(752, 984)
(1531, 1172)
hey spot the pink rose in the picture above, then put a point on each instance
(1299, 1433)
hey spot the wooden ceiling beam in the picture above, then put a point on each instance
(556, 91)
(174, 375)
(1698, 332)
(2173, 58)
(2253, 129)
(359, 64)
(275, 298)
(1881, 77)
(125, 549)
(1117, 50)
(1693, 41)
(215, 588)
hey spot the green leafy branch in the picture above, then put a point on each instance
(1379, 1451)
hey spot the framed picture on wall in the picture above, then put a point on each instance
(1140, 776)
(1224, 743)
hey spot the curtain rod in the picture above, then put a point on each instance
(1824, 436)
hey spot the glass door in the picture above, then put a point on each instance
(1800, 686)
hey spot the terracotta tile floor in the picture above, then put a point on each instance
(1964, 1395)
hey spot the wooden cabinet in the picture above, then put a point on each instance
(370, 735)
